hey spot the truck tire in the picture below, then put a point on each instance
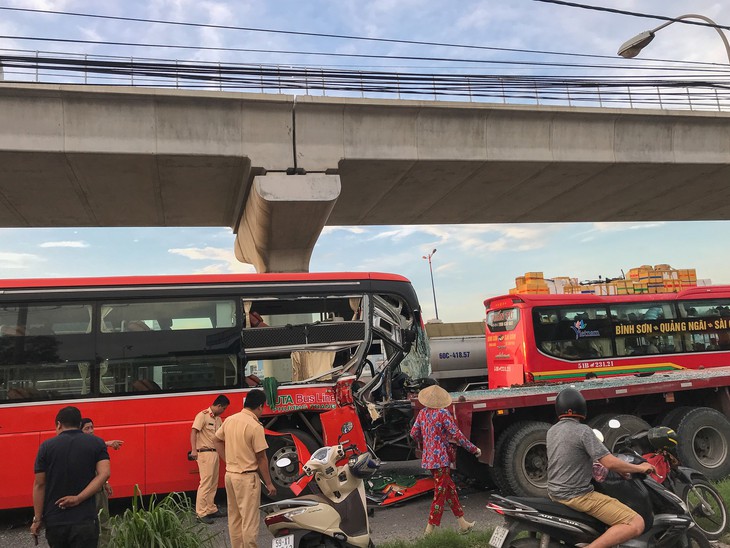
(468, 466)
(672, 417)
(704, 442)
(522, 459)
(630, 425)
(601, 419)
(282, 446)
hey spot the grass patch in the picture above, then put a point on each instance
(723, 487)
(168, 523)
(442, 539)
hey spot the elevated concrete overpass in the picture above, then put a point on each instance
(277, 169)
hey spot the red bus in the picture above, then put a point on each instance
(543, 338)
(142, 355)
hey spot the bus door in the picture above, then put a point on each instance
(505, 344)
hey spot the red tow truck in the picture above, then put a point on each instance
(509, 425)
(646, 360)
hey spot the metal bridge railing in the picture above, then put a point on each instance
(702, 94)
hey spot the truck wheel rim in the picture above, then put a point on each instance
(535, 464)
(709, 447)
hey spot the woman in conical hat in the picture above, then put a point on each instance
(432, 431)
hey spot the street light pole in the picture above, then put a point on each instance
(632, 47)
(433, 287)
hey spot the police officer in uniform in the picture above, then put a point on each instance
(242, 444)
(202, 435)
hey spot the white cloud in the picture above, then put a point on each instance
(19, 261)
(56, 5)
(222, 260)
(613, 228)
(350, 229)
(69, 243)
(620, 227)
(448, 267)
(474, 239)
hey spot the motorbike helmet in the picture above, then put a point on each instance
(363, 466)
(662, 437)
(571, 403)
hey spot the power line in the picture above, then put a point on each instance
(631, 66)
(706, 94)
(543, 64)
(36, 54)
(310, 34)
(632, 13)
(316, 76)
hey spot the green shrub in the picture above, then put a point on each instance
(169, 523)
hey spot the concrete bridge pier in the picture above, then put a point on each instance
(283, 218)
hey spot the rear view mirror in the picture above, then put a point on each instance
(599, 435)
(614, 423)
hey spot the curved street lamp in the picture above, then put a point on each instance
(433, 287)
(633, 46)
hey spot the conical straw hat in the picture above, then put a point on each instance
(434, 397)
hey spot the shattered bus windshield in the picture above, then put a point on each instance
(311, 339)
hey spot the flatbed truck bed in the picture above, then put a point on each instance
(510, 424)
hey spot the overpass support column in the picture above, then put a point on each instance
(282, 219)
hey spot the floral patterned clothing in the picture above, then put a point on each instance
(444, 493)
(433, 430)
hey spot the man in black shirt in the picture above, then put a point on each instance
(69, 470)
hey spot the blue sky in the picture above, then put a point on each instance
(473, 261)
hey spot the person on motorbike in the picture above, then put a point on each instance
(572, 447)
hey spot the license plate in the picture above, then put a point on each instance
(286, 541)
(498, 536)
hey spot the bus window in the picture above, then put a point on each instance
(708, 325)
(573, 333)
(640, 328)
(634, 312)
(503, 320)
(151, 346)
(122, 317)
(45, 320)
(45, 351)
(156, 374)
(298, 338)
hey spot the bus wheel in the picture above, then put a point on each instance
(704, 444)
(283, 446)
(522, 459)
(630, 425)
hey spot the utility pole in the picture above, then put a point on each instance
(433, 287)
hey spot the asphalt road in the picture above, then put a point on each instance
(406, 520)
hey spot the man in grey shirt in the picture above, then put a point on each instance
(572, 448)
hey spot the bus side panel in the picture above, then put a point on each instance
(17, 489)
(333, 421)
(167, 467)
(127, 463)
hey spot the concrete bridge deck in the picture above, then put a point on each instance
(108, 156)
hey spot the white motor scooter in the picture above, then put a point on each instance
(336, 515)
